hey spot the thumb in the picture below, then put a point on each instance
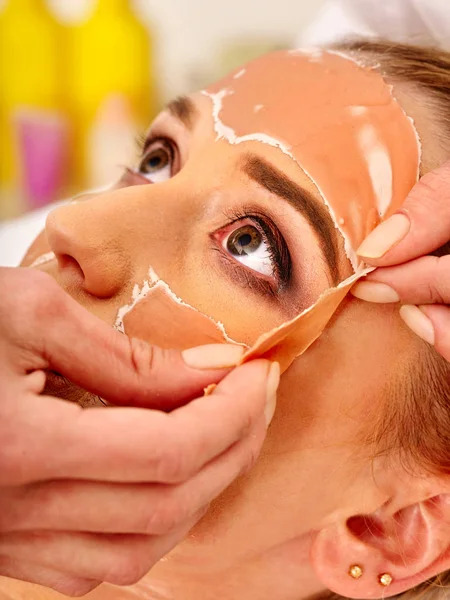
(421, 226)
(64, 337)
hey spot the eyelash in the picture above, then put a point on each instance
(140, 141)
(278, 249)
(144, 145)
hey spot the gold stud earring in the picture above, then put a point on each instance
(385, 579)
(355, 571)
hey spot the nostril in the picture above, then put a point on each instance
(70, 266)
(90, 276)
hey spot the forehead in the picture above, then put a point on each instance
(337, 120)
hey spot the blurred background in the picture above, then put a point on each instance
(80, 79)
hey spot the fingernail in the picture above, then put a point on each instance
(373, 291)
(213, 356)
(418, 322)
(273, 380)
(384, 237)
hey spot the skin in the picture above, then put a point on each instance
(281, 530)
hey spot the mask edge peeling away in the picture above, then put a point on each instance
(284, 345)
(155, 282)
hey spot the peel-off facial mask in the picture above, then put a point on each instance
(341, 126)
(171, 323)
(340, 123)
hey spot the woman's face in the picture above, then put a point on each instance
(238, 230)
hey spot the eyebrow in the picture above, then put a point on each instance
(183, 109)
(302, 201)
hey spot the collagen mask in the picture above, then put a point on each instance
(339, 124)
(337, 120)
(177, 324)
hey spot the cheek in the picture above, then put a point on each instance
(315, 452)
(39, 247)
(337, 388)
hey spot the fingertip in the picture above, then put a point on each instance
(374, 291)
(273, 382)
(384, 237)
(418, 322)
(213, 356)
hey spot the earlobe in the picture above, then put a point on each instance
(384, 554)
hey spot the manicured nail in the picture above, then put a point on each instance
(384, 237)
(418, 322)
(213, 356)
(373, 291)
(273, 380)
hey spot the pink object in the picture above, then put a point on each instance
(42, 144)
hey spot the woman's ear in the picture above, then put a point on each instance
(387, 552)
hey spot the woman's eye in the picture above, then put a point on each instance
(248, 245)
(157, 163)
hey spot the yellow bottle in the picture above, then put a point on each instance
(107, 66)
(29, 79)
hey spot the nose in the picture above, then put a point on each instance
(88, 252)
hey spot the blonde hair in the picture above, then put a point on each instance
(418, 428)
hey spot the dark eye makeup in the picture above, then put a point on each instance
(159, 158)
(244, 235)
(250, 243)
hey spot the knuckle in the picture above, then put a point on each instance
(175, 468)
(433, 185)
(434, 284)
(74, 587)
(250, 459)
(129, 570)
(429, 196)
(149, 359)
(253, 449)
(434, 295)
(247, 423)
(441, 279)
(168, 515)
(142, 356)
(175, 465)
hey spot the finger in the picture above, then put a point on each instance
(60, 440)
(48, 577)
(125, 508)
(112, 558)
(421, 226)
(431, 323)
(425, 280)
(64, 337)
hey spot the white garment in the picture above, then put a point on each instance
(425, 22)
(16, 235)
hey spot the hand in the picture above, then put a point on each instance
(399, 245)
(97, 495)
